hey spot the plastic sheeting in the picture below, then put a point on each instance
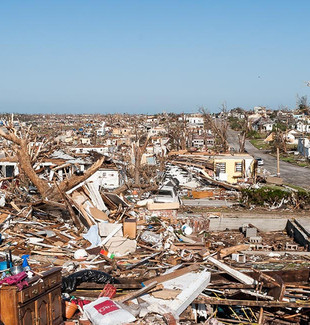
(92, 236)
(70, 282)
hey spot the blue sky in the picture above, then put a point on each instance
(84, 56)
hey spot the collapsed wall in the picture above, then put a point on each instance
(221, 223)
(299, 229)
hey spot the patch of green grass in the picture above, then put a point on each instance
(288, 159)
(294, 160)
(274, 194)
(255, 135)
(260, 144)
(295, 187)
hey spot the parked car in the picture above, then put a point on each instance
(260, 161)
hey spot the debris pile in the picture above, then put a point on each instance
(130, 255)
(152, 266)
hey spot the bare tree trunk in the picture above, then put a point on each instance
(24, 158)
(177, 132)
(25, 164)
(243, 134)
(137, 165)
(138, 152)
(75, 180)
(218, 128)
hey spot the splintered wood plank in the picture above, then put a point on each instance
(136, 293)
(243, 278)
(3, 216)
(230, 250)
(175, 274)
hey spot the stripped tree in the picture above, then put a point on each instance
(217, 126)
(27, 156)
(242, 135)
(177, 131)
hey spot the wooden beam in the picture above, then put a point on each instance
(233, 249)
(137, 293)
(243, 278)
(111, 234)
(175, 274)
(261, 316)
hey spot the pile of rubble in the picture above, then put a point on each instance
(129, 256)
(145, 265)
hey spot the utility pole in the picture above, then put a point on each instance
(278, 162)
(303, 140)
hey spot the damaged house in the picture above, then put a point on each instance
(229, 168)
(233, 168)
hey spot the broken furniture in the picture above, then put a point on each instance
(37, 304)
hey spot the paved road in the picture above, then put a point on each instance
(291, 174)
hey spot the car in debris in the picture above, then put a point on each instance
(260, 161)
(166, 194)
(165, 197)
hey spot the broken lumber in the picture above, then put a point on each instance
(137, 293)
(233, 249)
(243, 278)
(173, 275)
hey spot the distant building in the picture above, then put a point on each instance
(198, 141)
(263, 125)
(193, 119)
(303, 126)
(261, 110)
(156, 131)
(101, 131)
(85, 141)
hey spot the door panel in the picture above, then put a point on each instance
(42, 311)
(55, 306)
(27, 314)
